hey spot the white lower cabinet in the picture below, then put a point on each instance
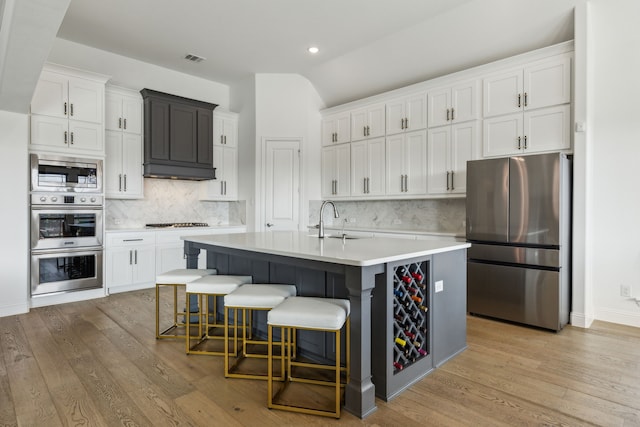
(170, 250)
(449, 149)
(130, 261)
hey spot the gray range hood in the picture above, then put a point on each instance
(178, 137)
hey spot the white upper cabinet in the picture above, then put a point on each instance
(454, 104)
(225, 128)
(67, 112)
(541, 84)
(407, 114)
(336, 171)
(123, 111)
(368, 122)
(336, 129)
(406, 163)
(368, 167)
(449, 149)
(59, 95)
(545, 129)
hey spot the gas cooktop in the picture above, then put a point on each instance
(177, 225)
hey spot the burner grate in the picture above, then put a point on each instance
(177, 225)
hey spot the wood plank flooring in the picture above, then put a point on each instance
(97, 363)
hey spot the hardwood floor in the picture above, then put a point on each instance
(98, 363)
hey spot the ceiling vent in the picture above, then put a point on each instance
(194, 58)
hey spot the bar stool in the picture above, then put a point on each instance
(204, 288)
(247, 299)
(315, 314)
(176, 278)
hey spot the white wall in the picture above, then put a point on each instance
(615, 135)
(14, 245)
(137, 75)
(288, 106)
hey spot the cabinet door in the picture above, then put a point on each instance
(463, 148)
(501, 93)
(50, 97)
(376, 121)
(328, 132)
(328, 165)
(343, 128)
(416, 162)
(158, 116)
(395, 117)
(502, 135)
(218, 129)
(113, 164)
(230, 172)
(547, 129)
(464, 102)
(204, 137)
(548, 83)
(113, 112)
(439, 104)
(376, 167)
(132, 166)
(183, 142)
(343, 169)
(437, 155)
(85, 100)
(50, 132)
(119, 265)
(216, 186)
(132, 115)
(231, 132)
(169, 257)
(416, 112)
(144, 258)
(359, 121)
(359, 168)
(395, 164)
(85, 136)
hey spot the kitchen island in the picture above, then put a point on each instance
(411, 293)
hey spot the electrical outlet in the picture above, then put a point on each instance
(439, 285)
(117, 221)
(352, 220)
(397, 221)
(625, 291)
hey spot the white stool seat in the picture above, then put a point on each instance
(259, 296)
(218, 284)
(310, 313)
(183, 275)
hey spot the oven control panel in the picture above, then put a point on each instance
(66, 199)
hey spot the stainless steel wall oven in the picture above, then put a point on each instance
(66, 224)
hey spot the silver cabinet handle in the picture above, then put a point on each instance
(120, 182)
(221, 140)
(71, 108)
(225, 140)
(269, 225)
(519, 144)
(130, 257)
(364, 131)
(72, 136)
(401, 123)
(453, 114)
(406, 183)
(119, 122)
(222, 188)
(65, 108)
(401, 183)
(448, 115)
(452, 186)
(132, 240)
(525, 99)
(364, 185)
(125, 182)
(406, 123)
(525, 141)
(368, 131)
(136, 256)
(368, 186)
(225, 188)
(125, 123)
(448, 188)
(65, 136)
(519, 99)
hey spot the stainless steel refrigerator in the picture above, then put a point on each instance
(519, 225)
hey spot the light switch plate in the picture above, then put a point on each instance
(439, 285)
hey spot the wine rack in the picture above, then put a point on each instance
(410, 320)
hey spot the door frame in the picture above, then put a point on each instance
(263, 178)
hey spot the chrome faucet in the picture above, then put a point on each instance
(321, 224)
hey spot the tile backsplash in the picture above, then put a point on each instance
(436, 215)
(167, 200)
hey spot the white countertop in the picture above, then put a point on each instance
(186, 230)
(306, 245)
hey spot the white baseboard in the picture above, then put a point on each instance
(127, 288)
(11, 310)
(580, 320)
(621, 317)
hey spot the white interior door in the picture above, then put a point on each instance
(281, 184)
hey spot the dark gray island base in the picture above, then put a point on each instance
(411, 294)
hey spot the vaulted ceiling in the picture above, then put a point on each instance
(366, 46)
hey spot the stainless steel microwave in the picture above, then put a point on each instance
(65, 174)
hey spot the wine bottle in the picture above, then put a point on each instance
(422, 352)
(416, 298)
(400, 342)
(410, 335)
(406, 279)
(417, 344)
(412, 289)
(416, 276)
(398, 366)
(398, 293)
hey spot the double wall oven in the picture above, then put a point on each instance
(67, 208)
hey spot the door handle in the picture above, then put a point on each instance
(519, 100)
(125, 123)
(448, 115)
(65, 136)
(125, 182)
(130, 257)
(136, 257)
(525, 99)
(71, 109)
(525, 139)
(452, 186)
(519, 144)
(453, 113)
(120, 182)
(269, 225)
(72, 133)
(119, 122)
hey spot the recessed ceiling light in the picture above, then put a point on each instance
(313, 49)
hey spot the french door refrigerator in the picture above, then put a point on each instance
(519, 226)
